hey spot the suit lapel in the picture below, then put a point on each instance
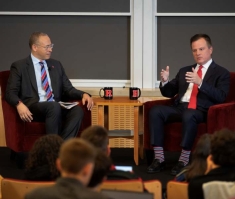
(32, 73)
(210, 71)
(52, 73)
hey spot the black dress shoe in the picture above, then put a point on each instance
(156, 166)
(177, 168)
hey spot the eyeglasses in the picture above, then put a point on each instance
(47, 47)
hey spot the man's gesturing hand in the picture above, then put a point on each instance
(192, 77)
(165, 74)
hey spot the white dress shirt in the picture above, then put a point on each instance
(187, 95)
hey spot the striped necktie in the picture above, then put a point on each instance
(193, 99)
(45, 83)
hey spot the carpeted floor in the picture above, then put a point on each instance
(120, 156)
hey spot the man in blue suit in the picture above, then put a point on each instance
(36, 85)
(196, 87)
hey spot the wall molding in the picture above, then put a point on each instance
(194, 14)
(69, 13)
(100, 83)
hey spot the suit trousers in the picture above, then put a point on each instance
(58, 120)
(160, 115)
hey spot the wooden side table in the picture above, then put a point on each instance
(103, 112)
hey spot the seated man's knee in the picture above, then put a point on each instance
(54, 107)
(78, 111)
(188, 115)
(155, 110)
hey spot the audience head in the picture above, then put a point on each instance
(40, 45)
(98, 136)
(76, 159)
(102, 167)
(199, 157)
(223, 148)
(45, 152)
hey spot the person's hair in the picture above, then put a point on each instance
(75, 154)
(101, 168)
(96, 135)
(33, 39)
(45, 152)
(199, 156)
(199, 36)
(223, 147)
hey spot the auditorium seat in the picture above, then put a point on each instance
(17, 189)
(155, 187)
(177, 190)
(124, 185)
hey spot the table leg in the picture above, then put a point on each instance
(101, 115)
(136, 134)
(141, 129)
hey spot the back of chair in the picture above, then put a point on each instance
(176, 190)
(17, 189)
(155, 187)
(231, 94)
(12, 121)
(124, 185)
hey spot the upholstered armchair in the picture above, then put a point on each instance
(20, 136)
(219, 116)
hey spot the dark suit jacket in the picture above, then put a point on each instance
(22, 83)
(64, 188)
(219, 174)
(214, 88)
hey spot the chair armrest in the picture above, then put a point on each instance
(147, 106)
(221, 116)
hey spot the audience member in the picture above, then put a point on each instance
(101, 169)
(41, 162)
(75, 163)
(37, 83)
(220, 163)
(198, 165)
(98, 136)
(195, 88)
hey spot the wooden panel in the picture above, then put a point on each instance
(121, 143)
(120, 117)
(2, 128)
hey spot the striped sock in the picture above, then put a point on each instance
(158, 153)
(184, 157)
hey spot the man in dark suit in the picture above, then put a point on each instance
(36, 85)
(75, 163)
(196, 87)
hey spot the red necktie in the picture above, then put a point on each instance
(45, 83)
(193, 99)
